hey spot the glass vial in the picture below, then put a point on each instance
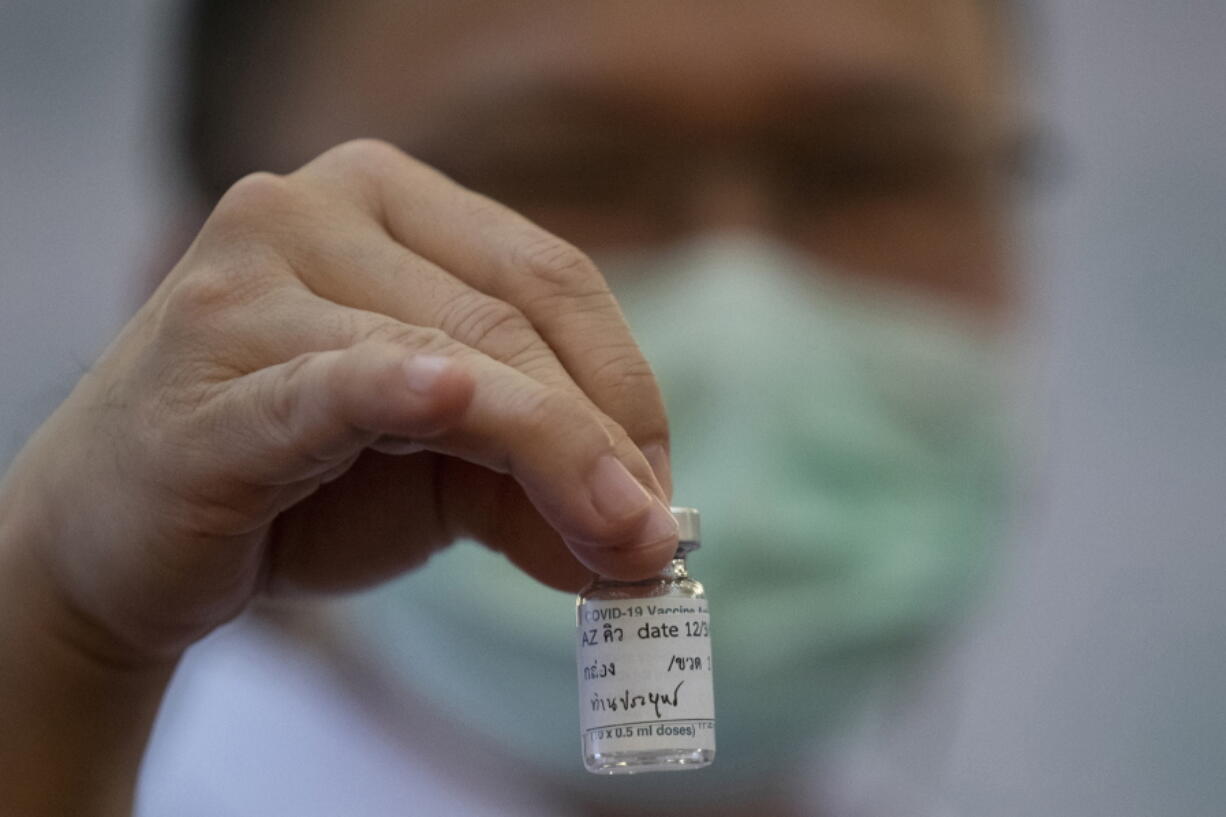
(644, 653)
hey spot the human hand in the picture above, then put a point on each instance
(352, 366)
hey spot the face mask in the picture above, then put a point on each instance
(844, 446)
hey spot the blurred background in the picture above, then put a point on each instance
(1091, 681)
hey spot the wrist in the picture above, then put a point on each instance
(60, 552)
(75, 707)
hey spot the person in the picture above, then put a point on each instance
(363, 359)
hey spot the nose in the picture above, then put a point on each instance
(728, 195)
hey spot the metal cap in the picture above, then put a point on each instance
(689, 536)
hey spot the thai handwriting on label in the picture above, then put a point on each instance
(645, 673)
(627, 701)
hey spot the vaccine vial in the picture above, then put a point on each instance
(646, 702)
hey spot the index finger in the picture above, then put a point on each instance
(503, 254)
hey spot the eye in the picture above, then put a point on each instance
(571, 177)
(818, 175)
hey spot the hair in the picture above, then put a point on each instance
(230, 47)
(226, 47)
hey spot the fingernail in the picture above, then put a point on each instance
(422, 372)
(657, 457)
(661, 525)
(616, 494)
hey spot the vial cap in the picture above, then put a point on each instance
(688, 537)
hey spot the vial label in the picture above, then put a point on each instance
(645, 675)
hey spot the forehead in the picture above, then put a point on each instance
(711, 59)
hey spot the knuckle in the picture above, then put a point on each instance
(549, 412)
(624, 370)
(483, 322)
(216, 288)
(412, 338)
(560, 265)
(200, 294)
(260, 212)
(626, 375)
(366, 156)
(254, 196)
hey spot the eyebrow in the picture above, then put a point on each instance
(600, 111)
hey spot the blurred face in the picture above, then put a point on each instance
(876, 134)
(873, 135)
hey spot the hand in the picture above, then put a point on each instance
(351, 367)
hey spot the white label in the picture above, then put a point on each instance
(645, 675)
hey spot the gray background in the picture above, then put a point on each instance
(1092, 682)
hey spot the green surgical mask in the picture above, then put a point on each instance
(844, 444)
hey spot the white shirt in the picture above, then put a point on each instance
(256, 725)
